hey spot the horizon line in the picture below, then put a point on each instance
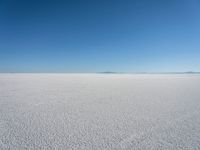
(109, 72)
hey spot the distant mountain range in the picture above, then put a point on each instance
(112, 72)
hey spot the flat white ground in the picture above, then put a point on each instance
(99, 111)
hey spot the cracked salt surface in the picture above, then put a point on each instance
(98, 111)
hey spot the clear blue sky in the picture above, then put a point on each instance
(99, 35)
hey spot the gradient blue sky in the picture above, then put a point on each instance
(99, 35)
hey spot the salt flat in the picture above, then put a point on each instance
(99, 111)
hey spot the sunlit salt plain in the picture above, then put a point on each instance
(99, 111)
